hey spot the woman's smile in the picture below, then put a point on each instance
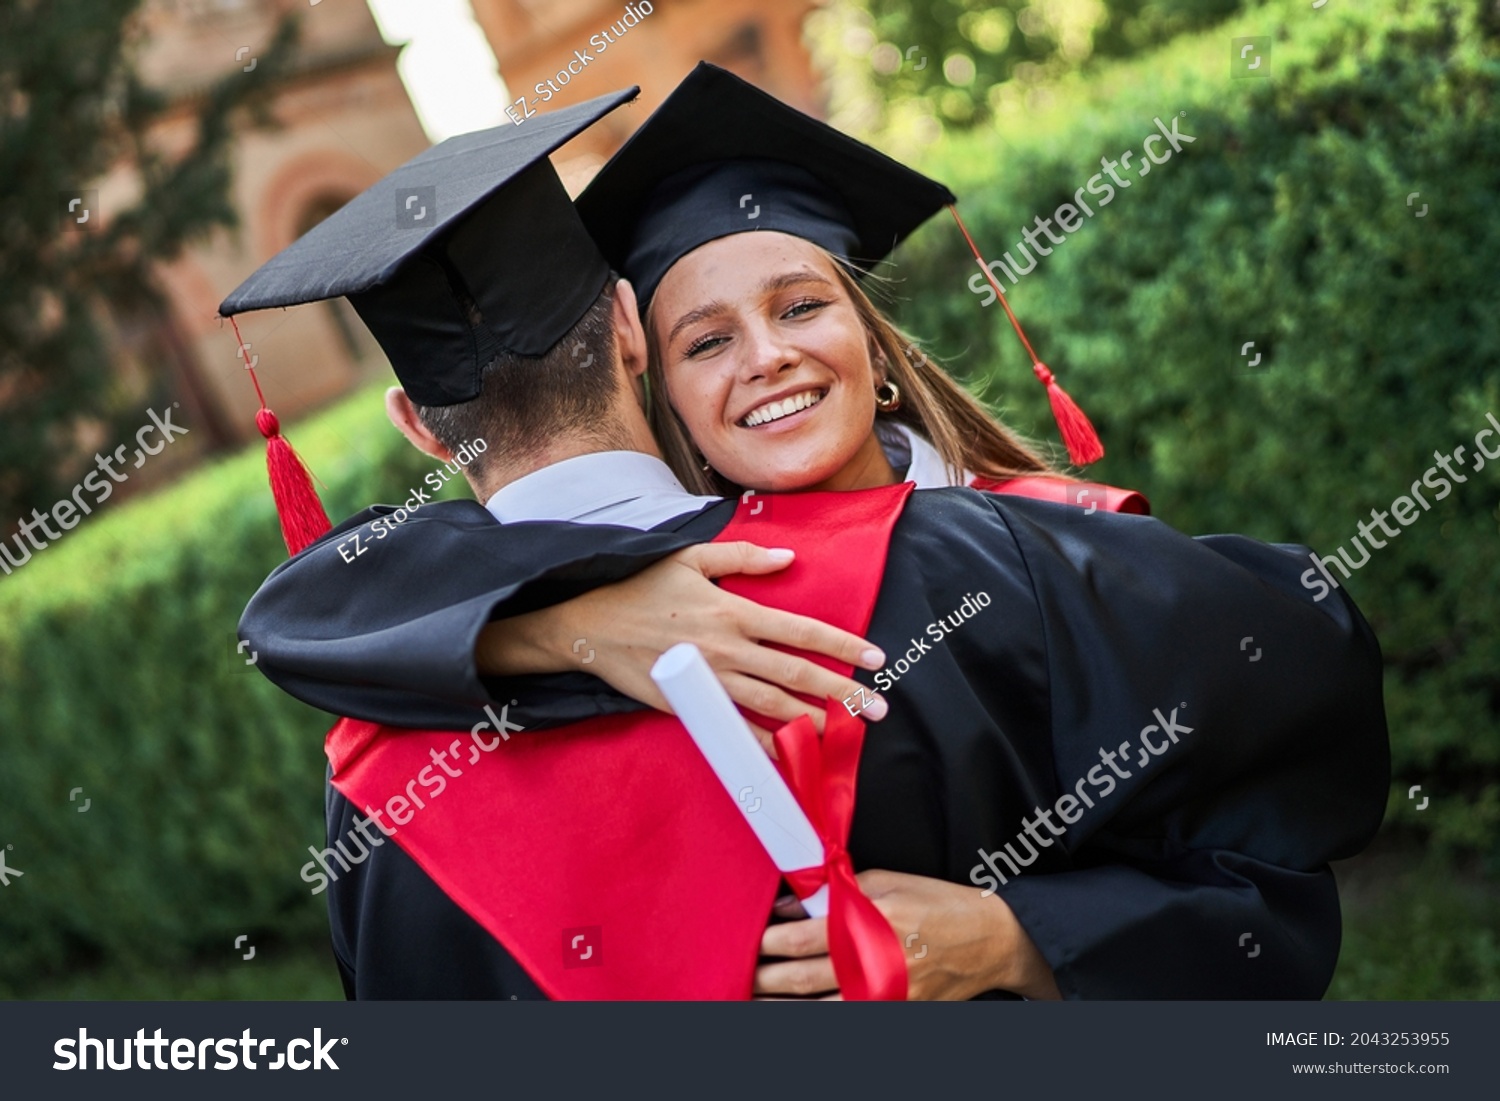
(783, 411)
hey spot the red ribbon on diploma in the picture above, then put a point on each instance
(866, 953)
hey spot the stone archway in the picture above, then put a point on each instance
(305, 183)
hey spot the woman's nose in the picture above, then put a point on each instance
(767, 354)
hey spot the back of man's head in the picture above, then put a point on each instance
(577, 397)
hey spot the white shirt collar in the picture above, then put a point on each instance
(627, 488)
(636, 490)
(927, 469)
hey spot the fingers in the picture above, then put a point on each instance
(802, 632)
(766, 739)
(770, 625)
(788, 906)
(796, 939)
(797, 978)
(719, 559)
(805, 968)
(791, 673)
(761, 698)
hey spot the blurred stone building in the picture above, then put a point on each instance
(654, 45)
(344, 119)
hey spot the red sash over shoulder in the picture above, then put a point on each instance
(1090, 495)
(605, 855)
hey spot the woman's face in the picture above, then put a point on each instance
(768, 365)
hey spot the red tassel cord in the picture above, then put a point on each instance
(1078, 434)
(303, 520)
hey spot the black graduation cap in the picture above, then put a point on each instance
(467, 250)
(720, 156)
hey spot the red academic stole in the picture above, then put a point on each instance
(1089, 495)
(606, 856)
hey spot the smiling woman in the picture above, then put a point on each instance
(775, 379)
(746, 227)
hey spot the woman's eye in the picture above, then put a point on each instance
(703, 344)
(806, 306)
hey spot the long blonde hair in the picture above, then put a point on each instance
(966, 434)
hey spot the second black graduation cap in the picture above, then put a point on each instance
(720, 156)
(469, 249)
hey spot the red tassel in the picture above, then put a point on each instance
(303, 520)
(1078, 433)
(1079, 436)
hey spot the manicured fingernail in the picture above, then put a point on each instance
(877, 709)
(872, 658)
(786, 900)
(781, 554)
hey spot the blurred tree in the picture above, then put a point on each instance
(72, 108)
(955, 60)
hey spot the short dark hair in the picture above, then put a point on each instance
(525, 402)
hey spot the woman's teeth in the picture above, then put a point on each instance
(775, 410)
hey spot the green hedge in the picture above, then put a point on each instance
(119, 665)
(1286, 222)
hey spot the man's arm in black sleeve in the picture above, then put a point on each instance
(379, 621)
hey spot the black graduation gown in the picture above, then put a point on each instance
(1199, 874)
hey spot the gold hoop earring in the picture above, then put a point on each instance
(889, 401)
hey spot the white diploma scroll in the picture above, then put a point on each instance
(748, 775)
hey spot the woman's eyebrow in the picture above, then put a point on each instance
(791, 279)
(769, 286)
(692, 317)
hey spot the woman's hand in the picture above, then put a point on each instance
(964, 944)
(629, 624)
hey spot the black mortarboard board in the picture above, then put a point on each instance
(720, 156)
(470, 249)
